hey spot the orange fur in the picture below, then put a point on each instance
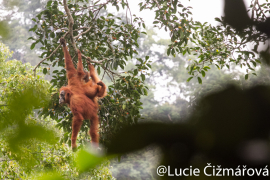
(94, 88)
(80, 97)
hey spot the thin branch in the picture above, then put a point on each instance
(129, 12)
(253, 9)
(109, 75)
(110, 46)
(84, 27)
(257, 2)
(92, 6)
(126, 16)
(88, 28)
(169, 117)
(70, 24)
(70, 31)
(92, 61)
(157, 4)
(164, 16)
(103, 75)
(82, 33)
(101, 6)
(113, 73)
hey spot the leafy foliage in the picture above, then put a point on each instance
(20, 96)
(110, 42)
(220, 46)
(29, 144)
(105, 40)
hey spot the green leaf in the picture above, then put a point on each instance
(145, 92)
(188, 50)
(98, 70)
(246, 76)
(218, 20)
(124, 106)
(122, 67)
(206, 67)
(174, 6)
(168, 51)
(31, 38)
(33, 46)
(254, 63)
(110, 15)
(135, 72)
(86, 160)
(45, 70)
(33, 28)
(115, 65)
(49, 3)
(91, 14)
(189, 79)
(143, 77)
(52, 35)
(199, 80)
(184, 52)
(203, 73)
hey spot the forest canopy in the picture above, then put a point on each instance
(120, 46)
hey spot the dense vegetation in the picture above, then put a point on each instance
(120, 46)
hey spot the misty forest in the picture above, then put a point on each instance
(184, 99)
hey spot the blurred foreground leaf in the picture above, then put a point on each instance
(86, 160)
(265, 56)
(51, 176)
(141, 135)
(16, 120)
(228, 128)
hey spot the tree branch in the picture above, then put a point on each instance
(164, 16)
(84, 32)
(92, 61)
(88, 28)
(70, 24)
(129, 12)
(157, 4)
(72, 38)
(257, 2)
(102, 4)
